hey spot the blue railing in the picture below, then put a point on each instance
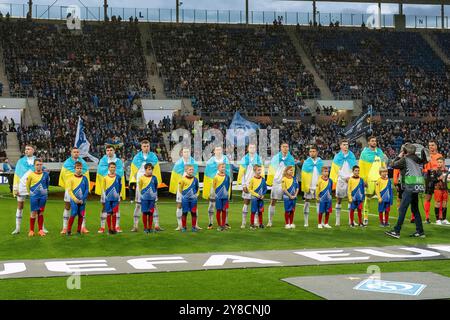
(220, 16)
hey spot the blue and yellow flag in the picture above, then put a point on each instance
(370, 163)
(245, 162)
(338, 162)
(178, 171)
(68, 170)
(102, 171)
(307, 172)
(23, 168)
(137, 162)
(275, 162)
(210, 173)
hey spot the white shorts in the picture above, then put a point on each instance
(246, 195)
(310, 195)
(276, 193)
(22, 198)
(178, 197)
(341, 189)
(66, 196)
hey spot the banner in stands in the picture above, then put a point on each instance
(358, 127)
(240, 130)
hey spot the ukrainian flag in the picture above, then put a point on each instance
(245, 162)
(338, 162)
(68, 170)
(370, 162)
(178, 171)
(137, 162)
(275, 162)
(102, 171)
(307, 172)
(210, 173)
(21, 172)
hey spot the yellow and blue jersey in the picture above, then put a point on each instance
(189, 188)
(111, 187)
(356, 189)
(37, 184)
(384, 191)
(324, 189)
(221, 186)
(148, 186)
(78, 188)
(289, 184)
(257, 187)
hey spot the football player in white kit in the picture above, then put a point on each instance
(178, 172)
(280, 161)
(67, 172)
(245, 175)
(341, 171)
(311, 169)
(24, 167)
(137, 170)
(102, 171)
(210, 172)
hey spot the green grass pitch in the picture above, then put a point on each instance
(260, 283)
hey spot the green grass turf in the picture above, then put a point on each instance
(179, 285)
(238, 284)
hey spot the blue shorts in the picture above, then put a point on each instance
(221, 204)
(189, 206)
(257, 205)
(289, 205)
(38, 203)
(356, 205)
(77, 209)
(324, 206)
(383, 206)
(111, 206)
(147, 206)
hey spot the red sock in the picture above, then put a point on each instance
(183, 220)
(252, 218)
(386, 215)
(150, 220)
(380, 215)
(144, 220)
(32, 222)
(320, 218)
(286, 217)
(427, 209)
(224, 217)
(291, 217)
(352, 216)
(218, 217)
(359, 216)
(260, 217)
(108, 221)
(114, 220)
(194, 219)
(41, 221)
(327, 217)
(80, 222)
(69, 226)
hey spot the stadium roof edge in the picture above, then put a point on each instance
(429, 2)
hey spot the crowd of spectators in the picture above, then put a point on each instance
(397, 73)
(250, 70)
(87, 74)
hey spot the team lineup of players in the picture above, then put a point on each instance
(358, 181)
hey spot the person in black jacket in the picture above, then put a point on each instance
(412, 184)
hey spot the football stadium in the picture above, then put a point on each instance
(230, 153)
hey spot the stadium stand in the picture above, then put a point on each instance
(250, 70)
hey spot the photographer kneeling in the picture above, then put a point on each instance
(412, 183)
